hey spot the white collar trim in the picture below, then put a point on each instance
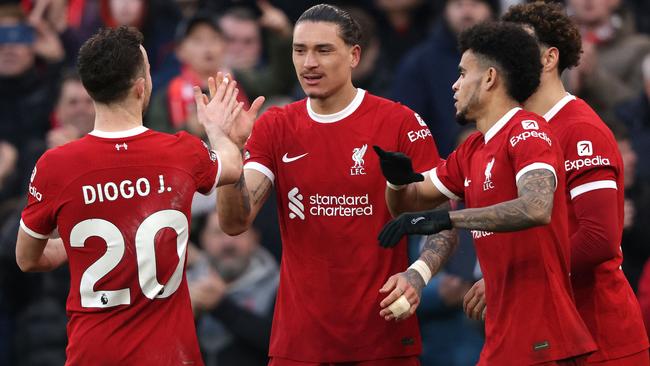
(118, 134)
(335, 117)
(500, 123)
(558, 106)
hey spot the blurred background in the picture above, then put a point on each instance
(409, 54)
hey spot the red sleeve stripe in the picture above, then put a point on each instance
(587, 187)
(441, 187)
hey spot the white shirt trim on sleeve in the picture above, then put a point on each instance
(218, 177)
(441, 187)
(558, 106)
(591, 186)
(262, 169)
(534, 166)
(31, 232)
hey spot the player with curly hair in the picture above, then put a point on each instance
(510, 176)
(594, 195)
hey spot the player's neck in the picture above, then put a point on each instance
(492, 113)
(550, 91)
(334, 103)
(117, 117)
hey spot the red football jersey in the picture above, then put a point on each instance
(592, 161)
(531, 317)
(331, 205)
(121, 202)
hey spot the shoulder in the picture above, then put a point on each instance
(580, 120)
(389, 108)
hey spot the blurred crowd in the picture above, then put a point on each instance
(409, 54)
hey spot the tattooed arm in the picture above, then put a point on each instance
(239, 203)
(533, 207)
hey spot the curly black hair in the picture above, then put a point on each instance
(109, 62)
(553, 28)
(511, 50)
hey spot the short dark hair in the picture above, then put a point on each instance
(109, 62)
(349, 29)
(511, 50)
(553, 28)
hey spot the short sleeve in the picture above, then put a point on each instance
(448, 176)
(591, 160)
(530, 146)
(207, 164)
(259, 149)
(38, 218)
(415, 141)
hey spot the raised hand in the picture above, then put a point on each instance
(218, 113)
(422, 223)
(397, 167)
(243, 120)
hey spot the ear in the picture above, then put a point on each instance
(140, 87)
(355, 53)
(550, 59)
(490, 78)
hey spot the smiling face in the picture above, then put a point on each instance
(467, 89)
(323, 61)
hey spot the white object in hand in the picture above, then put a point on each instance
(399, 306)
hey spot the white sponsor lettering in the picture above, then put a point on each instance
(34, 192)
(419, 134)
(514, 140)
(580, 163)
(111, 191)
(478, 234)
(328, 205)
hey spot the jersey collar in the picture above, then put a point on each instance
(559, 105)
(500, 123)
(335, 117)
(118, 134)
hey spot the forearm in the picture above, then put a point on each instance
(512, 215)
(234, 207)
(35, 255)
(438, 248)
(411, 198)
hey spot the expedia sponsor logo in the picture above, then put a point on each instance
(581, 163)
(325, 205)
(34, 192)
(478, 234)
(419, 134)
(514, 140)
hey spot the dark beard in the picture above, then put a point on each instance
(462, 119)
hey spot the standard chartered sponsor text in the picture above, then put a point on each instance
(340, 205)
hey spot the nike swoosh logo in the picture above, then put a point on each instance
(287, 159)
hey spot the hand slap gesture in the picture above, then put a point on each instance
(218, 113)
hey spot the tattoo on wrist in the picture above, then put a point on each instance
(438, 248)
(414, 279)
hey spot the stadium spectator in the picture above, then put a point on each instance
(109, 236)
(233, 286)
(508, 181)
(635, 114)
(74, 115)
(31, 59)
(331, 268)
(610, 67)
(200, 50)
(423, 77)
(259, 49)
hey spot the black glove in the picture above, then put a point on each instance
(422, 223)
(397, 167)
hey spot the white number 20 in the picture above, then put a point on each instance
(145, 253)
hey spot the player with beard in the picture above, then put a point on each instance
(120, 198)
(594, 196)
(510, 176)
(330, 196)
